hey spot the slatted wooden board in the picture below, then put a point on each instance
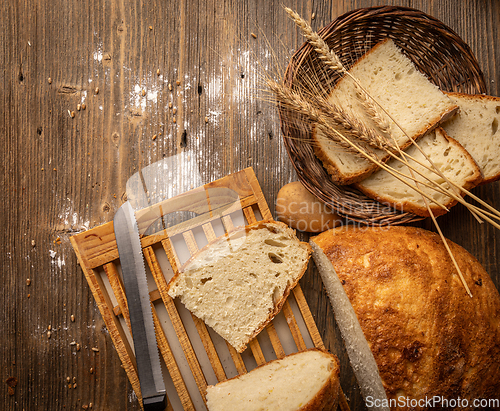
(184, 341)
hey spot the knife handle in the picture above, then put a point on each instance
(156, 403)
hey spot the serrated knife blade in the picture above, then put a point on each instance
(141, 316)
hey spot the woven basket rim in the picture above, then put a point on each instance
(345, 200)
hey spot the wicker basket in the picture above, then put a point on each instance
(433, 47)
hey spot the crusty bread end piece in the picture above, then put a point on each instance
(238, 283)
(404, 92)
(303, 381)
(456, 164)
(476, 127)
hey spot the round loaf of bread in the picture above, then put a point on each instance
(428, 337)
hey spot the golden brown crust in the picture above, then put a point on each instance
(327, 397)
(427, 336)
(472, 97)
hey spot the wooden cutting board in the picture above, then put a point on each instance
(193, 355)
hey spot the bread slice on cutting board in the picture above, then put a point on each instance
(427, 336)
(306, 381)
(455, 163)
(404, 92)
(238, 283)
(476, 128)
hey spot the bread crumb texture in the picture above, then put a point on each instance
(237, 284)
(308, 380)
(475, 126)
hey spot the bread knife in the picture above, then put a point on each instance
(139, 306)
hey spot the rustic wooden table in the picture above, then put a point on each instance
(91, 92)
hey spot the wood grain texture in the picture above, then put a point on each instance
(62, 174)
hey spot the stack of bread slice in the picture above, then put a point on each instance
(457, 135)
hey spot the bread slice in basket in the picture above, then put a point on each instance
(477, 127)
(409, 327)
(404, 92)
(307, 381)
(454, 162)
(238, 283)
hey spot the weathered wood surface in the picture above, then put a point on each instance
(64, 174)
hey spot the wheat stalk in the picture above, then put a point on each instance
(352, 125)
(372, 109)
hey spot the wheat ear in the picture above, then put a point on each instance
(292, 100)
(352, 125)
(330, 59)
(378, 116)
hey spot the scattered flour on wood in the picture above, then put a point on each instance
(69, 220)
(59, 261)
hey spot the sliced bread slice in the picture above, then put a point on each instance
(428, 338)
(238, 283)
(306, 381)
(404, 92)
(455, 163)
(476, 127)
